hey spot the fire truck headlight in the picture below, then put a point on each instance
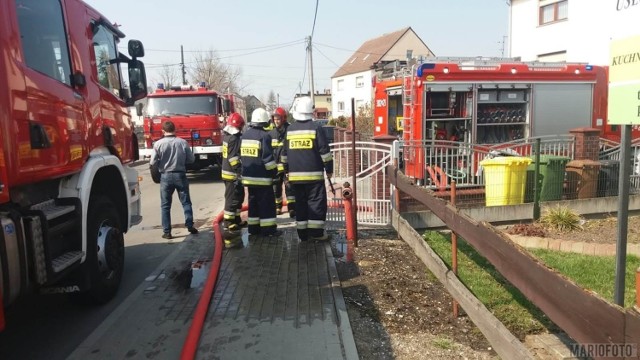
(208, 142)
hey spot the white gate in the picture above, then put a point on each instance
(372, 186)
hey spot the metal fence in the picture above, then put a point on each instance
(372, 187)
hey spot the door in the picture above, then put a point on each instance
(50, 133)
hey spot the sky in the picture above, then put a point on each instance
(266, 39)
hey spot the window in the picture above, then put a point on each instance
(44, 43)
(106, 52)
(554, 12)
(340, 85)
(360, 81)
(340, 105)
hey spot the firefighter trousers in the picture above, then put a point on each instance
(288, 192)
(311, 209)
(262, 210)
(233, 198)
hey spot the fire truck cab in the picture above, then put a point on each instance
(67, 194)
(197, 113)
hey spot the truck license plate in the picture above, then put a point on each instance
(205, 156)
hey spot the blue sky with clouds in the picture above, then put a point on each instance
(266, 39)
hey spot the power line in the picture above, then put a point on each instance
(244, 49)
(313, 28)
(325, 56)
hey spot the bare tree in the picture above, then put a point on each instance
(168, 76)
(218, 76)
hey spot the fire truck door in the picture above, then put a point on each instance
(50, 135)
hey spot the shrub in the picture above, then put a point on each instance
(561, 218)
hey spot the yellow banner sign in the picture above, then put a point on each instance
(624, 81)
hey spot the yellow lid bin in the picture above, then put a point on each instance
(504, 179)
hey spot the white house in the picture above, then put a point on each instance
(570, 30)
(354, 78)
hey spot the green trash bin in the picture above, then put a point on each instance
(551, 177)
(505, 179)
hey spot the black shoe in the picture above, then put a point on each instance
(167, 236)
(193, 230)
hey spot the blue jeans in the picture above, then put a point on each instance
(168, 183)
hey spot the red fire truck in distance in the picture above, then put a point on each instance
(491, 101)
(198, 116)
(67, 195)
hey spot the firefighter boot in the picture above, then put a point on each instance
(232, 237)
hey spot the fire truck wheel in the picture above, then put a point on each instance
(105, 250)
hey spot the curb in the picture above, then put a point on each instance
(580, 247)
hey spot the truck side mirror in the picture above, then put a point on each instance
(139, 107)
(136, 49)
(137, 81)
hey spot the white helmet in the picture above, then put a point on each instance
(260, 116)
(303, 108)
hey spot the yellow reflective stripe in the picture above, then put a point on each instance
(229, 215)
(270, 165)
(316, 224)
(276, 143)
(234, 158)
(256, 181)
(253, 221)
(301, 134)
(326, 157)
(301, 224)
(280, 167)
(247, 143)
(228, 175)
(238, 212)
(267, 222)
(283, 158)
(306, 176)
(291, 199)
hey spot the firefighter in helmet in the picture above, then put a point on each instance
(306, 158)
(231, 176)
(258, 171)
(279, 119)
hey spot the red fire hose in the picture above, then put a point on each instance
(190, 346)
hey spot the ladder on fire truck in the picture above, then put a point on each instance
(408, 103)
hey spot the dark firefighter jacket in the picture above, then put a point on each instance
(231, 166)
(306, 153)
(258, 165)
(277, 142)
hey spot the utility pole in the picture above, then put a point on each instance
(277, 100)
(184, 73)
(311, 89)
(504, 44)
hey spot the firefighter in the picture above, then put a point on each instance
(258, 171)
(233, 189)
(306, 157)
(279, 119)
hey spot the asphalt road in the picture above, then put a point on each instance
(51, 327)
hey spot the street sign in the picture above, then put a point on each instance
(624, 82)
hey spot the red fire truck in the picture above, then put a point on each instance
(491, 101)
(67, 195)
(198, 114)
